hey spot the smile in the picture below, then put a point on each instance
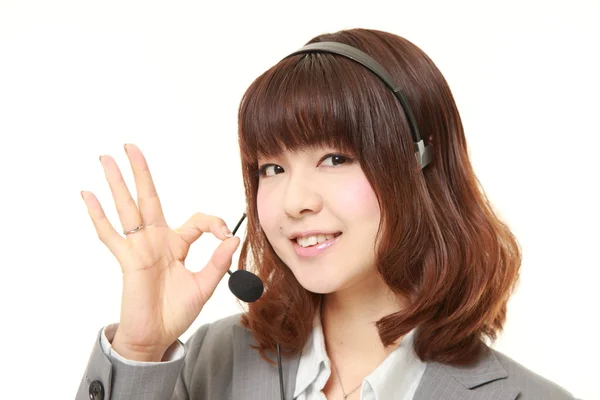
(314, 245)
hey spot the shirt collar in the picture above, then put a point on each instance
(313, 359)
(399, 373)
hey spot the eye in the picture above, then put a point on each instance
(335, 159)
(269, 170)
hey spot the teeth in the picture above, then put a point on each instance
(312, 240)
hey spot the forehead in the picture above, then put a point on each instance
(306, 102)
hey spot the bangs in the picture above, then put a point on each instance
(309, 100)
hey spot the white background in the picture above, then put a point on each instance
(80, 78)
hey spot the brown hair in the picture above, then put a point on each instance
(441, 246)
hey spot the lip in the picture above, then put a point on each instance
(316, 250)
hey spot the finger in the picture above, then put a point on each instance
(106, 232)
(129, 214)
(209, 277)
(199, 223)
(148, 200)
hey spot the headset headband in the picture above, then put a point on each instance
(424, 153)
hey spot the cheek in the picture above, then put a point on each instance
(266, 209)
(355, 199)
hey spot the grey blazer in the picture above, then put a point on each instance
(219, 364)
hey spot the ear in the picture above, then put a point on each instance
(430, 139)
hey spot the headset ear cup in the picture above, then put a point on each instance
(423, 153)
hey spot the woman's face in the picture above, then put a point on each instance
(321, 216)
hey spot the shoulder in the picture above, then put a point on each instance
(223, 325)
(493, 375)
(214, 335)
(531, 385)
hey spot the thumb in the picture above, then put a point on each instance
(209, 277)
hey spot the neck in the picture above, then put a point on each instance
(348, 318)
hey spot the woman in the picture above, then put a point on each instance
(385, 269)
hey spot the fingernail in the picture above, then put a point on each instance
(227, 232)
(125, 147)
(82, 195)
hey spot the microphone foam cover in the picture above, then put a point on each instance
(245, 285)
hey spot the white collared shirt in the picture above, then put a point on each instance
(397, 377)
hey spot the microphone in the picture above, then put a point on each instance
(245, 285)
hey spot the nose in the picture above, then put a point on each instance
(301, 197)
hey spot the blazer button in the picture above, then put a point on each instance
(96, 391)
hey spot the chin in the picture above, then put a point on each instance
(320, 281)
(323, 275)
(319, 287)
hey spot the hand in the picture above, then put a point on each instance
(160, 297)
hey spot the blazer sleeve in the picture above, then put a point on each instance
(108, 378)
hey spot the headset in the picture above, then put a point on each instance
(248, 287)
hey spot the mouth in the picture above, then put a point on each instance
(313, 245)
(315, 240)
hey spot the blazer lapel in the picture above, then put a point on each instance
(254, 378)
(485, 380)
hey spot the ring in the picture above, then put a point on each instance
(134, 230)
